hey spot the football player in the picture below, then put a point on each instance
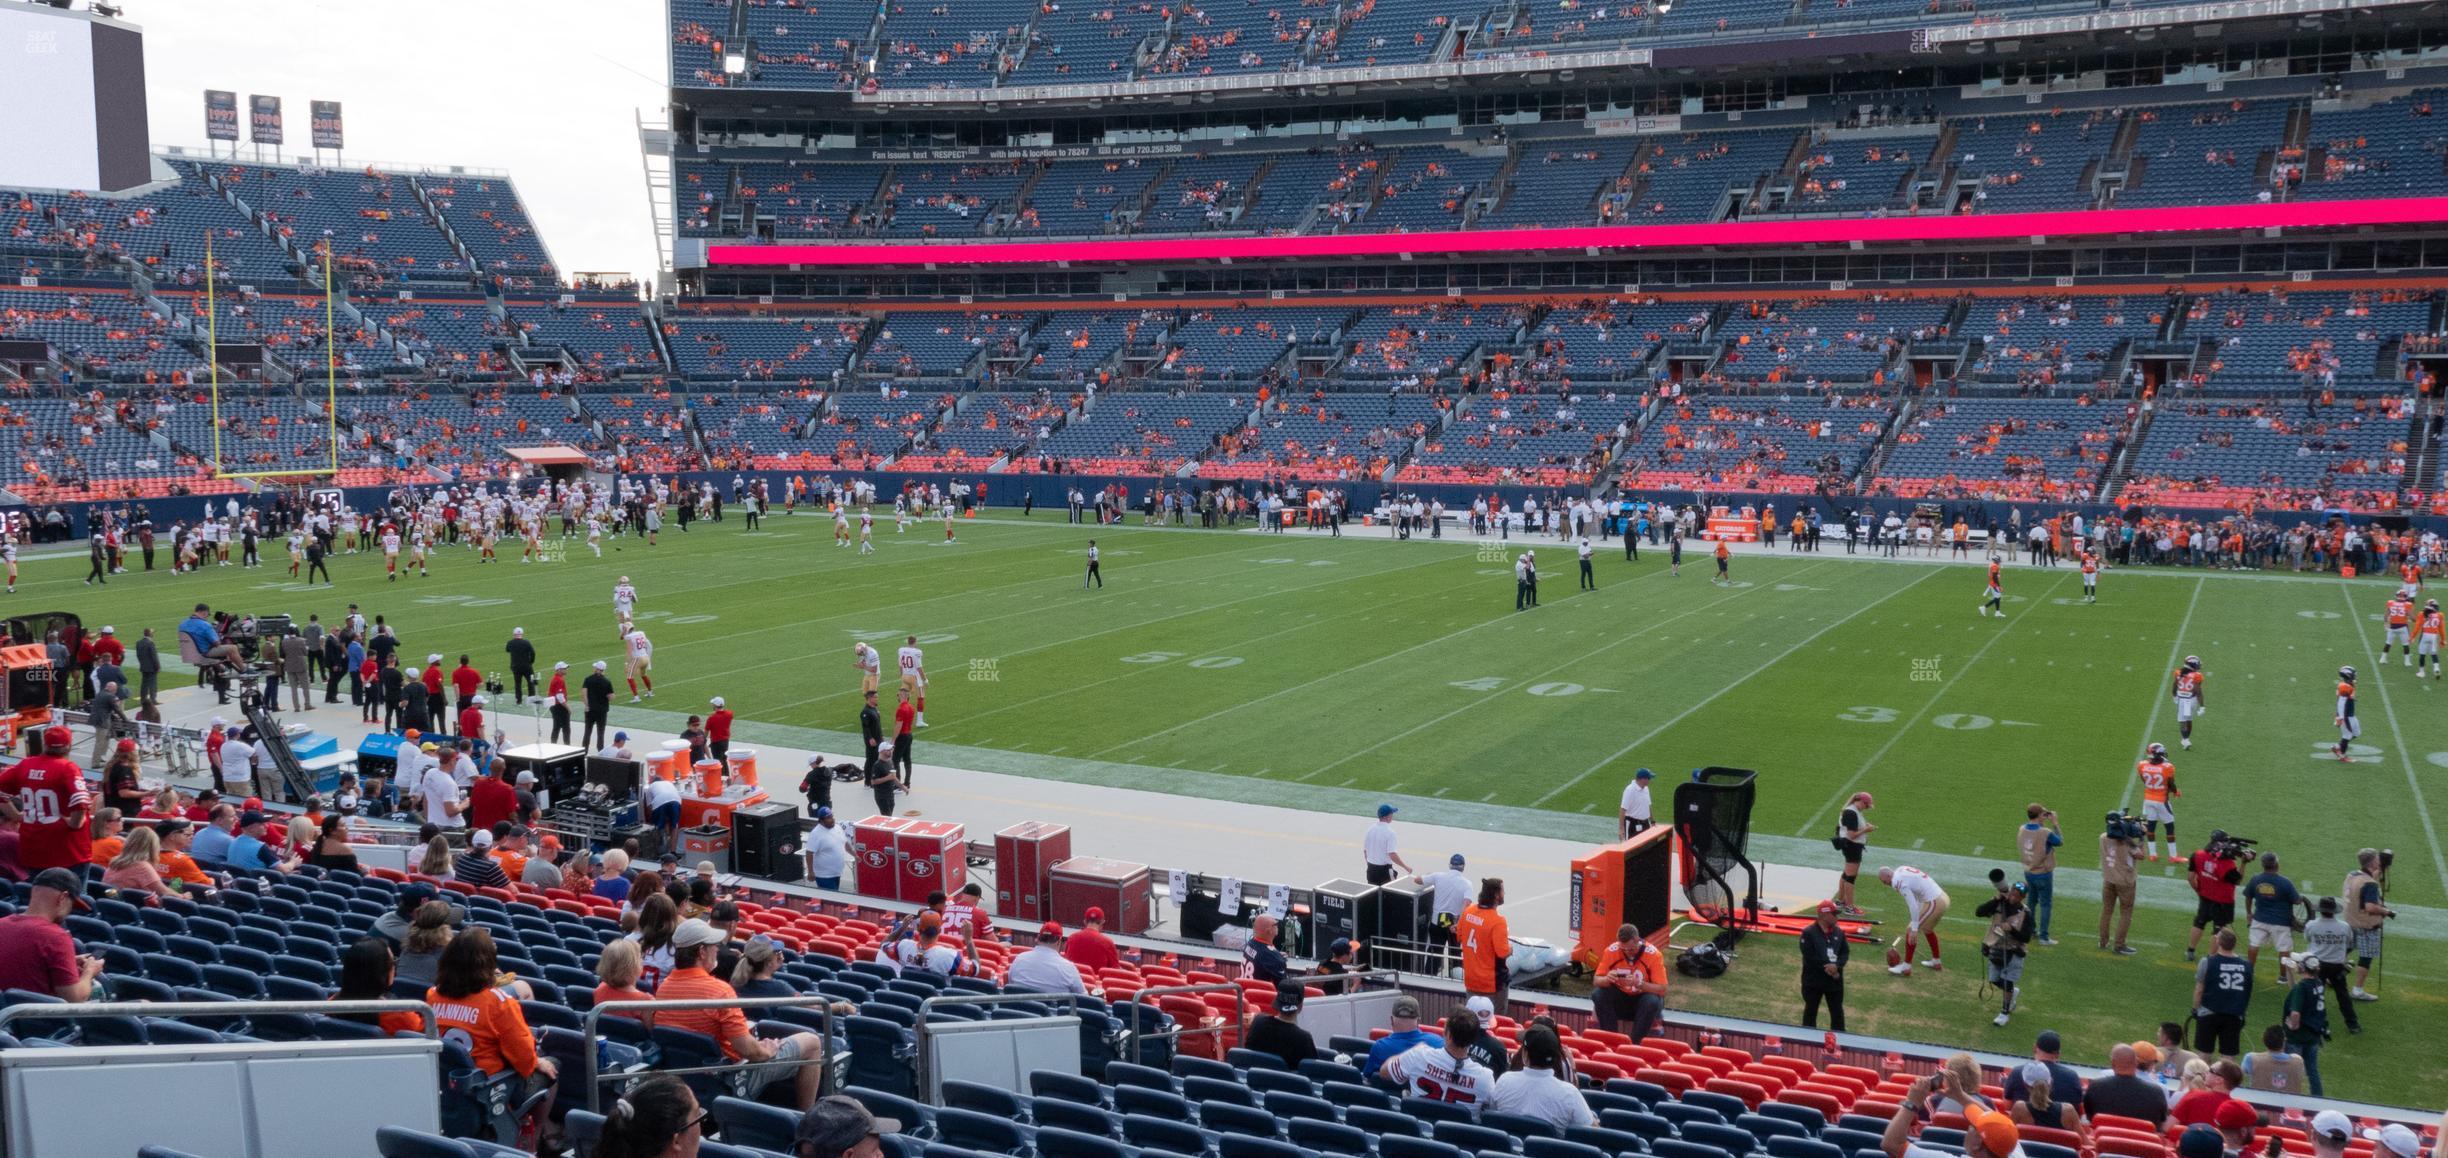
(2158, 779)
(2428, 629)
(2188, 691)
(2348, 727)
(1996, 596)
(2400, 618)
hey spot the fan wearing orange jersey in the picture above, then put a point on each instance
(2158, 779)
(2400, 617)
(2427, 631)
(1994, 600)
(2090, 573)
(2188, 691)
(1487, 945)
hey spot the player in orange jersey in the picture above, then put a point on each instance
(2158, 779)
(1722, 556)
(2090, 574)
(2348, 727)
(1995, 599)
(2428, 629)
(2187, 688)
(2400, 616)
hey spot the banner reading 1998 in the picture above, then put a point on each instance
(264, 121)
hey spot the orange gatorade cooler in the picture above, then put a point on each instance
(743, 766)
(710, 774)
(673, 763)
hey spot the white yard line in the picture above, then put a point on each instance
(1686, 713)
(2388, 707)
(2175, 649)
(1906, 728)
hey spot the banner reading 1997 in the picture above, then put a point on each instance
(264, 121)
(220, 115)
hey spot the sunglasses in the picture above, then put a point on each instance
(696, 1123)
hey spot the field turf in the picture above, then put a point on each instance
(1313, 670)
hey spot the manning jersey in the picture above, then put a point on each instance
(2158, 779)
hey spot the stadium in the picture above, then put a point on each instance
(463, 702)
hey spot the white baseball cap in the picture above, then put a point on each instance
(718, 701)
(1481, 1008)
(477, 699)
(599, 665)
(480, 839)
(518, 631)
(562, 665)
(2332, 1125)
(2397, 1139)
(434, 658)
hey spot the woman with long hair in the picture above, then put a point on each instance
(759, 958)
(2039, 1106)
(658, 918)
(473, 1009)
(657, 1118)
(437, 860)
(429, 932)
(329, 848)
(366, 973)
(136, 871)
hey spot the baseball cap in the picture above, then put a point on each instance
(57, 738)
(695, 931)
(1341, 946)
(1997, 1131)
(62, 880)
(561, 665)
(1383, 810)
(434, 658)
(599, 665)
(411, 896)
(1288, 998)
(2234, 1115)
(476, 699)
(1455, 860)
(2200, 1142)
(1827, 908)
(526, 776)
(2332, 1125)
(2048, 1042)
(518, 631)
(837, 1122)
(1095, 914)
(2394, 1137)
(1644, 774)
(717, 701)
(480, 839)
(1481, 1008)
(253, 804)
(2147, 1053)
(1406, 1006)
(549, 843)
(618, 737)
(250, 817)
(823, 813)
(428, 746)
(1050, 929)
(930, 924)
(170, 828)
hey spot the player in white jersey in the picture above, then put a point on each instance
(866, 531)
(841, 525)
(901, 513)
(8, 554)
(595, 534)
(391, 550)
(947, 518)
(533, 550)
(913, 676)
(416, 552)
(641, 663)
(1924, 905)
(624, 600)
(869, 664)
(297, 552)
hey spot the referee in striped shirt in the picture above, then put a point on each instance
(1380, 848)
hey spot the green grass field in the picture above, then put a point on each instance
(1302, 670)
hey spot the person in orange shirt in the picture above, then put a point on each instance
(2158, 779)
(1993, 601)
(693, 947)
(2427, 632)
(176, 865)
(1630, 983)
(472, 1009)
(1722, 555)
(2090, 574)
(2400, 625)
(1487, 944)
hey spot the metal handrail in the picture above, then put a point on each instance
(1240, 1013)
(213, 1009)
(928, 1004)
(595, 1078)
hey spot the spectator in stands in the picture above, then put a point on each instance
(136, 871)
(249, 850)
(1042, 969)
(176, 837)
(1260, 959)
(476, 865)
(435, 861)
(36, 952)
(491, 799)
(1342, 960)
(331, 848)
(1967, 1074)
(1445, 1072)
(1090, 948)
(2045, 1050)
(2235, 1121)
(2125, 1093)
(2039, 1105)
(471, 1005)
(420, 958)
(2330, 1132)
(693, 947)
(1987, 1134)
(109, 834)
(366, 972)
(395, 925)
(1630, 984)
(612, 884)
(924, 949)
(658, 917)
(1279, 1032)
(828, 848)
(543, 870)
(2206, 1091)
(1538, 1089)
(2200, 1142)
(1487, 944)
(657, 1118)
(617, 974)
(760, 957)
(1488, 1050)
(839, 1127)
(2172, 1054)
(1403, 1032)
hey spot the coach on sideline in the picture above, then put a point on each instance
(1378, 848)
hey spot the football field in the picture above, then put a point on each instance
(1303, 670)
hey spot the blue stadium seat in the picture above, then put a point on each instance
(1676, 1148)
(1474, 1138)
(746, 1123)
(263, 938)
(1650, 1093)
(1600, 1100)
(1250, 1059)
(1247, 1146)
(1186, 1066)
(1122, 1074)
(1850, 1138)
(985, 1099)
(1433, 1112)
(1054, 1112)
(1169, 1134)
(916, 1120)
(1234, 1118)
(126, 987)
(1154, 1102)
(1210, 1090)
(1384, 1123)
(880, 1055)
(1562, 1148)
(1056, 1142)
(1731, 1139)
(250, 959)
(401, 1142)
(1519, 1126)
(1349, 1094)
(1288, 1106)
(1610, 1141)
(162, 1031)
(983, 1132)
(234, 982)
(139, 938)
(1727, 1106)
(1793, 1147)
(1647, 1125)
(1764, 1127)
(1267, 1081)
(1402, 1146)
(1068, 1087)
(1685, 1113)
(1323, 1070)
(1328, 1137)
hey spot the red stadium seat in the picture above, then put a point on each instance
(1750, 1092)
(1598, 1070)
(2054, 1136)
(1676, 1081)
(1869, 1078)
(1738, 1058)
(2121, 1122)
(1610, 1037)
(2124, 1145)
(1793, 1065)
(1810, 1099)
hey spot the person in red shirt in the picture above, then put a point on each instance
(1090, 948)
(466, 681)
(718, 734)
(471, 719)
(491, 799)
(432, 678)
(904, 718)
(36, 952)
(50, 793)
(107, 646)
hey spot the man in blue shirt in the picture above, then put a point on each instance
(212, 842)
(1406, 1033)
(247, 850)
(2273, 900)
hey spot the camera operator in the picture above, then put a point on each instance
(2273, 900)
(2120, 845)
(2328, 940)
(2009, 932)
(2222, 993)
(2214, 874)
(2366, 907)
(2038, 841)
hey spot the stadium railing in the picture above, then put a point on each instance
(937, 1065)
(819, 1004)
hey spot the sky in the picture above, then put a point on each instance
(548, 92)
